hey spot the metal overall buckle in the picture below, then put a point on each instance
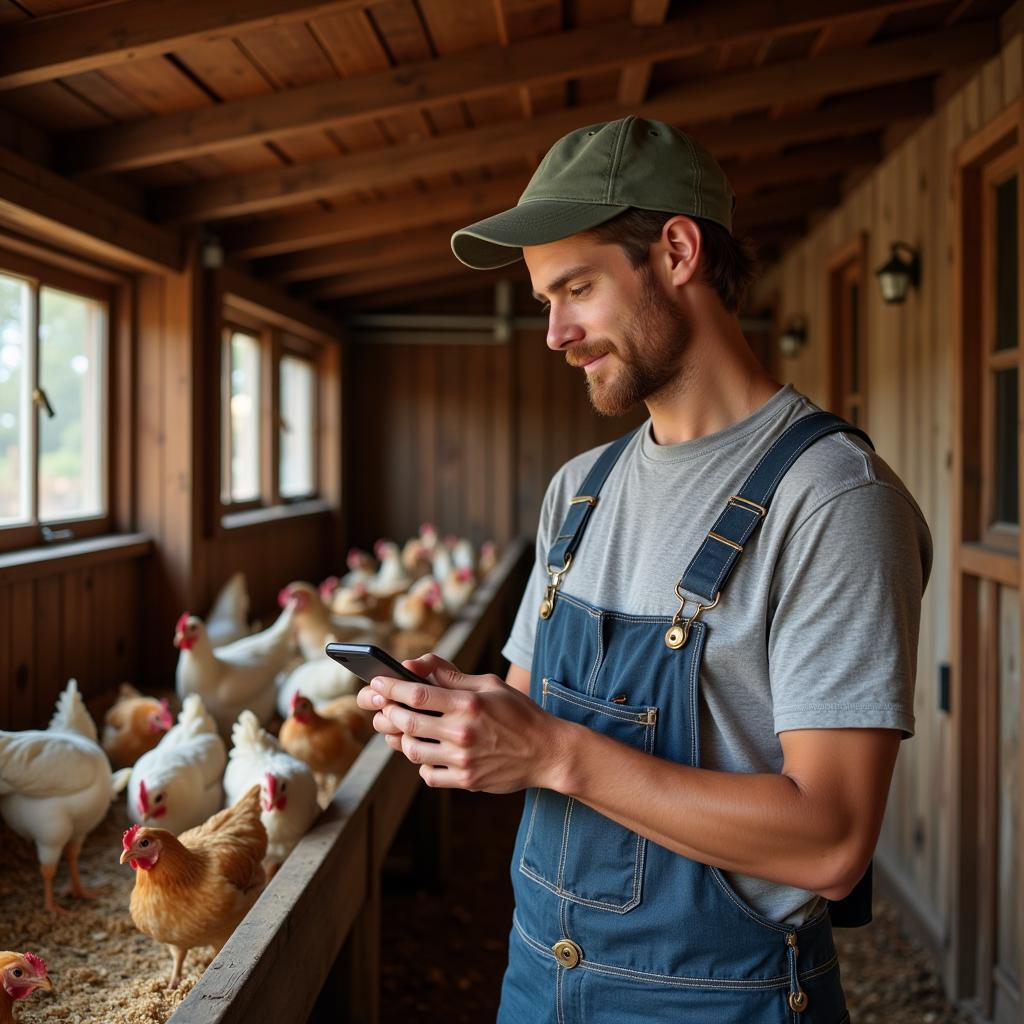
(679, 632)
(547, 606)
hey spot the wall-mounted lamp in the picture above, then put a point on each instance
(794, 337)
(896, 276)
(211, 252)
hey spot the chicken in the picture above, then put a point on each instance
(315, 625)
(429, 537)
(463, 555)
(415, 558)
(287, 787)
(458, 589)
(228, 619)
(55, 788)
(356, 600)
(361, 567)
(321, 679)
(20, 975)
(193, 890)
(391, 578)
(237, 676)
(441, 560)
(345, 709)
(327, 745)
(178, 783)
(488, 558)
(422, 610)
(134, 725)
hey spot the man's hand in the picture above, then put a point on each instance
(489, 736)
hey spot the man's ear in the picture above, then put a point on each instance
(681, 241)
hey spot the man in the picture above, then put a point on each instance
(713, 664)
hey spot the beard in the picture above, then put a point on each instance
(649, 353)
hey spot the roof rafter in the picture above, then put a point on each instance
(554, 57)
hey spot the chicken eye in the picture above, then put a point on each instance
(284, 787)
(160, 798)
(144, 843)
(17, 972)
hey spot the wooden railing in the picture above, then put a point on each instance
(310, 945)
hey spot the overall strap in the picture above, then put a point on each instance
(580, 507)
(715, 559)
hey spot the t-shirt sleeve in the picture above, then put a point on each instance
(845, 612)
(518, 648)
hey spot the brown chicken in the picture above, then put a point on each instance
(20, 975)
(134, 725)
(345, 709)
(193, 890)
(328, 745)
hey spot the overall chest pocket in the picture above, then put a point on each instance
(571, 849)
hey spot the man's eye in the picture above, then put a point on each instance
(579, 291)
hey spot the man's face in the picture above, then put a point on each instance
(615, 322)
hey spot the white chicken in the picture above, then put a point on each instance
(441, 561)
(288, 804)
(237, 676)
(321, 679)
(463, 554)
(458, 588)
(228, 619)
(361, 567)
(391, 578)
(56, 786)
(177, 784)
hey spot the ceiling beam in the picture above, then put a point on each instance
(387, 278)
(46, 206)
(810, 163)
(466, 203)
(636, 78)
(332, 104)
(440, 288)
(784, 205)
(104, 35)
(288, 186)
(349, 257)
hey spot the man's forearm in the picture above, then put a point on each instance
(762, 825)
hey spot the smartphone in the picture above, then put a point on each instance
(368, 661)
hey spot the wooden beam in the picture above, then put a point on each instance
(555, 57)
(268, 302)
(348, 257)
(636, 78)
(467, 203)
(44, 205)
(287, 186)
(813, 162)
(103, 35)
(388, 278)
(439, 289)
(785, 205)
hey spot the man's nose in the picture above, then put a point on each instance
(562, 329)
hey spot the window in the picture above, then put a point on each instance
(54, 397)
(269, 384)
(849, 350)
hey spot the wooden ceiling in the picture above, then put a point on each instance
(336, 144)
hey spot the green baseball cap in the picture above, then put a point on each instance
(594, 174)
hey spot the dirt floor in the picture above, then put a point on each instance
(446, 950)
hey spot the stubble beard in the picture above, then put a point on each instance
(649, 357)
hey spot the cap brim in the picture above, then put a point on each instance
(499, 240)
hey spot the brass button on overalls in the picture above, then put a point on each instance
(567, 953)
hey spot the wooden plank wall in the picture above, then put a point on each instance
(909, 198)
(465, 436)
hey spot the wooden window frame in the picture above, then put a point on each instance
(44, 267)
(278, 337)
(983, 559)
(852, 256)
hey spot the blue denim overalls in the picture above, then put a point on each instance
(610, 928)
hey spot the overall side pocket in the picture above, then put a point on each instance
(570, 849)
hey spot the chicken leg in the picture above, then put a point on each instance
(76, 888)
(49, 903)
(179, 955)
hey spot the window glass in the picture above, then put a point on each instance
(297, 427)
(1006, 264)
(242, 365)
(15, 401)
(71, 415)
(1006, 502)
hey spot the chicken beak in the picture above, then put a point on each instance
(125, 854)
(44, 983)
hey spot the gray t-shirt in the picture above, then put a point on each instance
(817, 627)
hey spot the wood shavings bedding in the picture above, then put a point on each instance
(104, 971)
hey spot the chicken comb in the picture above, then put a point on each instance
(284, 596)
(143, 796)
(296, 697)
(464, 575)
(129, 836)
(328, 587)
(37, 963)
(183, 621)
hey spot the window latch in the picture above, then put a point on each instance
(52, 535)
(42, 401)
